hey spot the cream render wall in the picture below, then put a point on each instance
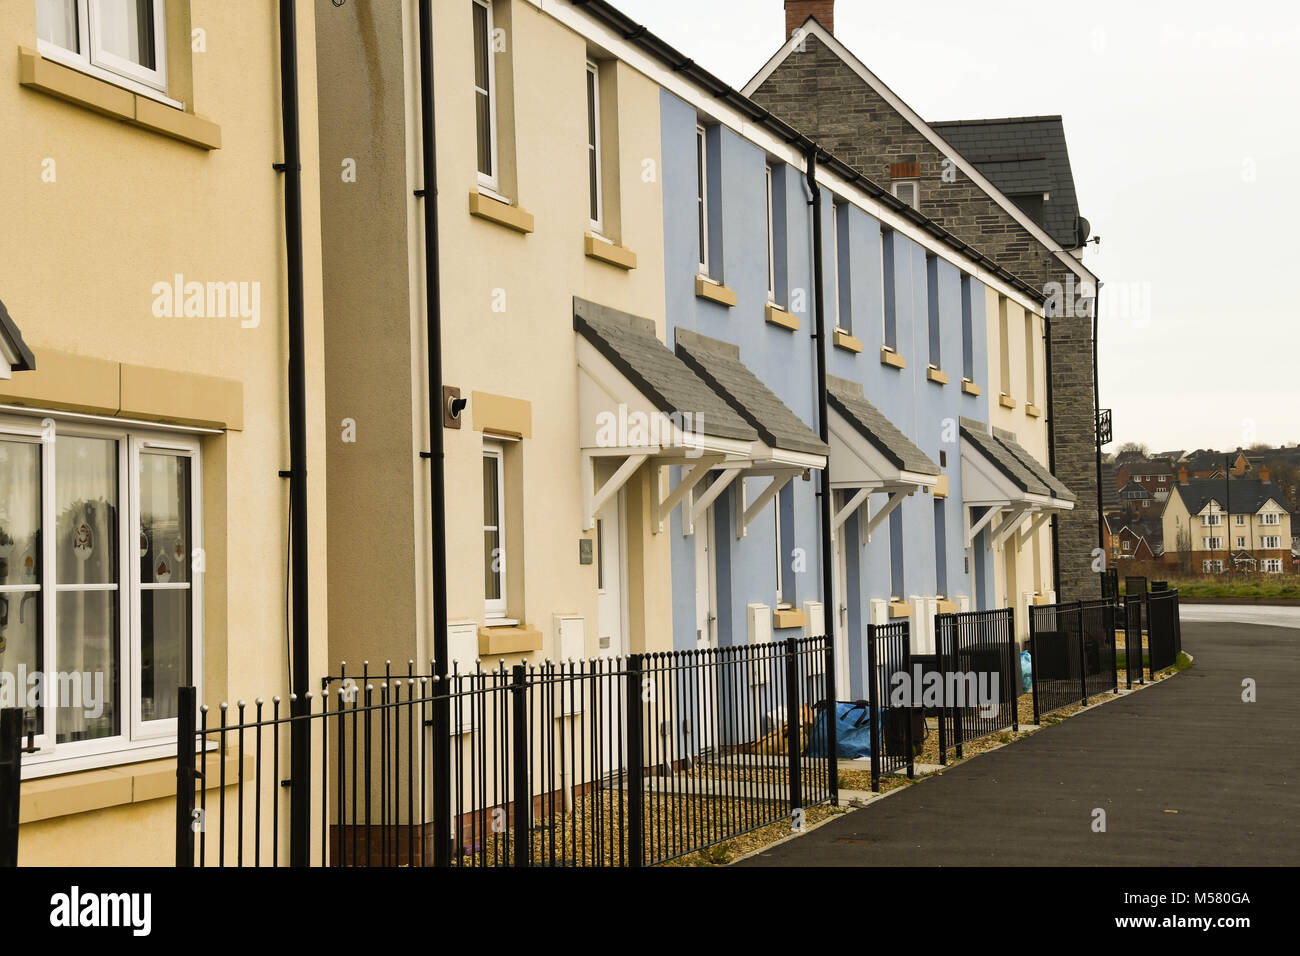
(1031, 565)
(507, 322)
(128, 208)
(528, 350)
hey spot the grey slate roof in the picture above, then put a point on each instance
(1054, 484)
(847, 398)
(718, 363)
(1022, 155)
(630, 343)
(1248, 494)
(14, 339)
(996, 452)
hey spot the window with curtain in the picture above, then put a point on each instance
(117, 39)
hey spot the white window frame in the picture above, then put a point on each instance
(495, 608)
(1212, 520)
(1268, 517)
(1272, 542)
(702, 195)
(490, 180)
(138, 739)
(1273, 565)
(596, 188)
(1241, 519)
(91, 58)
(771, 237)
(1241, 542)
(780, 557)
(915, 183)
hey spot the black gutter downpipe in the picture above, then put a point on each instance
(829, 612)
(441, 755)
(300, 703)
(1096, 422)
(1051, 452)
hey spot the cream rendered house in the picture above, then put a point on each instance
(1212, 526)
(1017, 383)
(142, 515)
(547, 155)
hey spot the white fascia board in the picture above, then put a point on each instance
(628, 53)
(811, 26)
(767, 459)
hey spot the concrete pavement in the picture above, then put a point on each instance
(1186, 773)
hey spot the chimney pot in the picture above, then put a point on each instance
(798, 11)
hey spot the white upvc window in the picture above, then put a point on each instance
(1212, 520)
(485, 95)
(1214, 567)
(1273, 565)
(101, 559)
(1269, 517)
(1271, 542)
(1241, 542)
(771, 238)
(908, 190)
(702, 196)
(123, 41)
(494, 532)
(1212, 544)
(593, 148)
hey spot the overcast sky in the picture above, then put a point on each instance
(1183, 122)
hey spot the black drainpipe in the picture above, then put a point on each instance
(829, 612)
(1051, 450)
(1096, 421)
(437, 465)
(300, 702)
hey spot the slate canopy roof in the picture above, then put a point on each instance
(1015, 462)
(847, 399)
(631, 345)
(718, 364)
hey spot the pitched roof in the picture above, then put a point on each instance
(630, 343)
(812, 28)
(1133, 490)
(1149, 468)
(718, 363)
(1025, 155)
(1002, 458)
(11, 339)
(1248, 494)
(847, 398)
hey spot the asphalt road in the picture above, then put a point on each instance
(1186, 773)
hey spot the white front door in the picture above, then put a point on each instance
(611, 624)
(841, 631)
(703, 719)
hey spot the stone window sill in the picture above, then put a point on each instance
(501, 641)
(776, 315)
(602, 250)
(503, 214)
(54, 79)
(936, 375)
(891, 358)
(714, 292)
(847, 341)
(785, 617)
(969, 387)
(87, 790)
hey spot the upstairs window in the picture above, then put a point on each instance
(908, 190)
(967, 331)
(593, 146)
(114, 39)
(485, 95)
(1271, 517)
(771, 237)
(702, 195)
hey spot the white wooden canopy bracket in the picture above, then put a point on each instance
(748, 513)
(596, 498)
(856, 502)
(895, 499)
(973, 530)
(698, 506)
(664, 507)
(1007, 526)
(1027, 535)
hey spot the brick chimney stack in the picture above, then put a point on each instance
(1182, 475)
(1263, 472)
(798, 11)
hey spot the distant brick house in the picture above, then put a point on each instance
(1004, 187)
(1157, 477)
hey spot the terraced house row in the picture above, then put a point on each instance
(689, 378)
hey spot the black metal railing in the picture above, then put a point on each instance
(11, 772)
(1110, 584)
(1134, 649)
(1056, 657)
(611, 762)
(976, 653)
(1164, 630)
(1100, 665)
(893, 727)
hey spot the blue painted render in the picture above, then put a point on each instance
(923, 318)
